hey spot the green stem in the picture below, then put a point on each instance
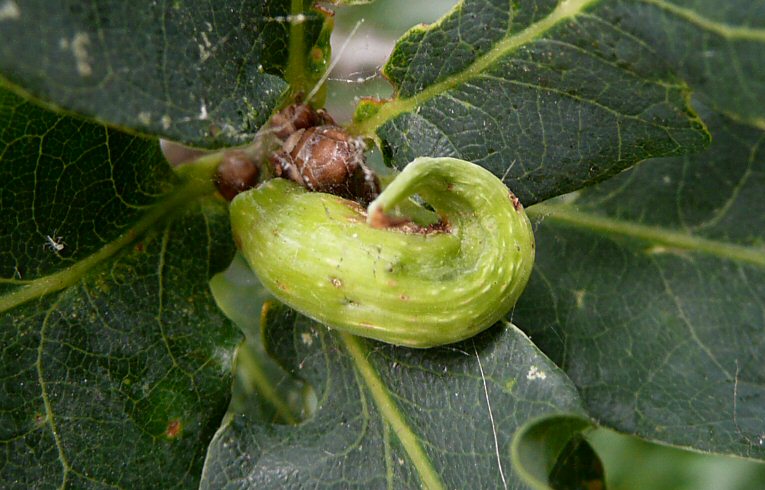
(296, 69)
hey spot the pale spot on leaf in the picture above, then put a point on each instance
(536, 373)
(79, 45)
(579, 295)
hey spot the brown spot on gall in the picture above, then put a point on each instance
(355, 207)
(378, 219)
(404, 297)
(516, 202)
(381, 220)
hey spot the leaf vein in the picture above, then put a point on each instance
(653, 234)
(725, 30)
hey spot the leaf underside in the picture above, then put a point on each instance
(204, 74)
(115, 365)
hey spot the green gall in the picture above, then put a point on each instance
(382, 277)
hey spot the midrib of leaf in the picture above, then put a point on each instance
(198, 183)
(658, 236)
(391, 413)
(725, 30)
(563, 11)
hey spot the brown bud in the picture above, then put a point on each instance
(298, 116)
(324, 157)
(236, 173)
(284, 167)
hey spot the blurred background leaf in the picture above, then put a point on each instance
(635, 464)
